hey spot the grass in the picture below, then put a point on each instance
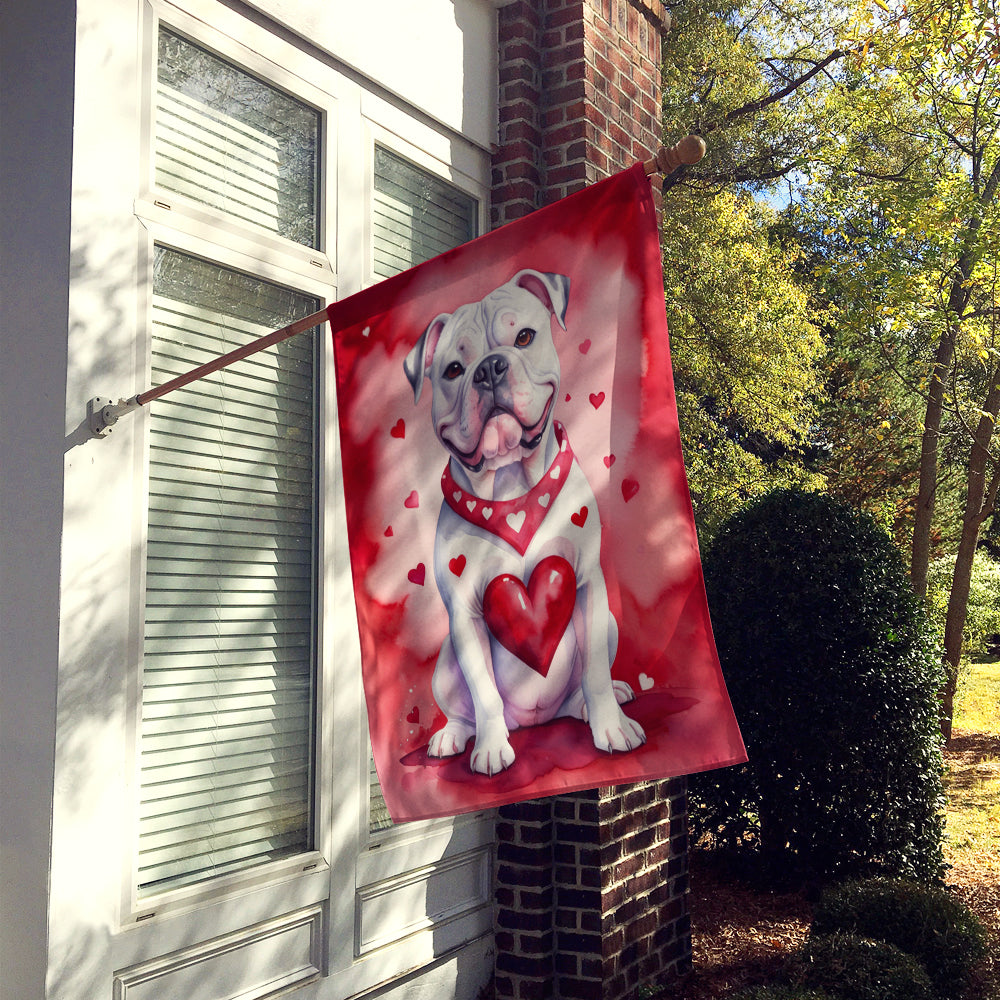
(978, 698)
(973, 808)
(973, 782)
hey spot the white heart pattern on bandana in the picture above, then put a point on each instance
(516, 521)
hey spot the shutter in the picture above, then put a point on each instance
(232, 142)
(228, 657)
(416, 216)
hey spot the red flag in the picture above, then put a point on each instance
(526, 572)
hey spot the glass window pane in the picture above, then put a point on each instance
(416, 215)
(228, 679)
(231, 141)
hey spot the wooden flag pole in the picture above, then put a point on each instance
(103, 413)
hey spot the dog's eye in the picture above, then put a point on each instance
(453, 371)
(524, 337)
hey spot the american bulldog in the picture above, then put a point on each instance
(517, 549)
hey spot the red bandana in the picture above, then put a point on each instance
(517, 520)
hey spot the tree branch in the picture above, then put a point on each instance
(754, 106)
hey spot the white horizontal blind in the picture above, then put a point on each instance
(225, 139)
(228, 659)
(416, 216)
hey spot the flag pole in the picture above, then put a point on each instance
(103, 413)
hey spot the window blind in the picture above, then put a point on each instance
(228, 140)
(228, 686)
(416, 216)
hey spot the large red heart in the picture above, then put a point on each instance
(530, 621)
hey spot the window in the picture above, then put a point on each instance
(416, 216)
(229, 647)
(227, 140)
(228, 683)
(252, 804)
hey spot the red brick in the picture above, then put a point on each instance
(574, 988)
(563, 54)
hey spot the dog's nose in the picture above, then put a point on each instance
(491, 371)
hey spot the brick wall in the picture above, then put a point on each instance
(579, 96)
(591, 888)
(591, 893)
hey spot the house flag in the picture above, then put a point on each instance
(526, 574)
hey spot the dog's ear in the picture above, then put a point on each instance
(552, 289)
(418, 362)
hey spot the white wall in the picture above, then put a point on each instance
(36, 108)
(416, 49)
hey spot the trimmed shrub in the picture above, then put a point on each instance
(925, 922)
(856, 968)
(833, 672)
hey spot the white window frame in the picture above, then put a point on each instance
(349, 871)
(180, 224)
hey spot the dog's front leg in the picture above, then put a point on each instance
(492, 752)
(610, 727)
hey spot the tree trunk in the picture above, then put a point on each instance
(980, 499)
(958, 299)
(920, 554)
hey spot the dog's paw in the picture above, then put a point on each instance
(616, 731)
(451, 740)
(493, 752)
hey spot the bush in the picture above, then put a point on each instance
(833, 673)
(925, 922)
(856, 968)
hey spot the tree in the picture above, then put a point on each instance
(746, 355)
(747, 352)
(913, 185)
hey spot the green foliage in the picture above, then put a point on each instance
(746, 354)
(745, 343)
(926, 922)
(833, 673)
(857, 968)
(983, 612)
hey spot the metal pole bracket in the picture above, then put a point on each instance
(103, 413)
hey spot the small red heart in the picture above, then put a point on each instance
(388, 532)
(580, 517)
(457, 565)
(530, 621)
(568, 397)
(413, 500)
(399, 430)
(414, 715)
(596, 399)
(629, 489)
(417, 574)
(585, 346)
(609, 460)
